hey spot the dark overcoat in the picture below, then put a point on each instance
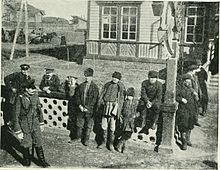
(53, 83)
(15, 80)
(91, 98)
(202, 79)
(27, 119)
(186, 113)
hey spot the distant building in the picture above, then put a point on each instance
(55, 24)
(10, 15)
(79, 24)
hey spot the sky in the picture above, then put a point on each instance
(62, 8)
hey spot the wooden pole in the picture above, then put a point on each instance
(68, 56)
(17, 30)
(26, 28)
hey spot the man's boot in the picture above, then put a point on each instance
(119, 145)
(40, 155)
(87, 135)
(188, 134)
(111, 141)
(184, 142)
(104, 139)
(123, 146)
(27, 157)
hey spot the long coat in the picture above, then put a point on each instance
(15, 80)
(121, 97)
(186, 113)
(128, 115)
(91, 98)
(153, 93)
(53, 83)
(202, 78)
(27, 119)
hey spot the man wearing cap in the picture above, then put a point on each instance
(50, 81)
(151, 98)
(192, 69)
(187, 109)
(13, 84)
(111, 101)
(202, 79)
(86, 96)
(28, 122)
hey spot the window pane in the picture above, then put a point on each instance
(199, 21)
(113, 27)
(106, 10)
(200, 11)
(133, 20)
(198, 30)
(113, 35)
(113, 19)
(198, 38)
(114, 11)
(124, 35)
(189, 38)
(106, 27)
(125, 11)
(133, 28)
(133, 11)
(105, 34)
(190, 29)
(191, 11)
(132, 36)
(125, 20)
(191, 21)
(125, 28)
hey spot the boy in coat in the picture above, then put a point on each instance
(28, 122)
(111, 101)
(86, 100)
(187, 109)
(128, 116)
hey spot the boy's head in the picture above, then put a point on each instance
(88, 73)
(186, 79)
(25, 69)
(72, 79)
(130, 93)
(152, 76)
(49, 71)
(116, 77)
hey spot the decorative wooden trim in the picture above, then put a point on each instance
(123, 42)
(127, 59)
(138, 29)
(88, 18)
(100, 29)
(118, 30)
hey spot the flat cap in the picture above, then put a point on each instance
(88, 72)
(24, 66)
(153, 74)
(130, 92)
(117, 75)
(192, 67)
(72, 77)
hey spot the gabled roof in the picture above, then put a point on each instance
(54, 20)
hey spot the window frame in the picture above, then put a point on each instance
(195, 20)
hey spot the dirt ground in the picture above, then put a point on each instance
(60, 154)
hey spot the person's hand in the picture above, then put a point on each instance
(48, 91)
(81, 108)
(42, 128)
(184, 100)
(149, 104)
(85, 110)
(14, 90)
(154, 126)
(46, 88)
(20, 136)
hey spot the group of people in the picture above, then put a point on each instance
(110, 112)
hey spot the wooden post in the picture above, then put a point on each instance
(26, 28)
(170, 105)
(68, 56)
(17, 30)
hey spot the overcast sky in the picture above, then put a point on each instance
(62, 8)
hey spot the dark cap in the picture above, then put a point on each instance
(29, 84)
(117, 75)
(88, 72)
(130, 92)
(153, 74)
(186, 76)
(24, 66)
(72, 77)
(192, 67)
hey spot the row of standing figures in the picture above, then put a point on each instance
(111, 114)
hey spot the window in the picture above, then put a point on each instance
(195, 22)
(127, 29)
(109, 22)
(129, 23)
